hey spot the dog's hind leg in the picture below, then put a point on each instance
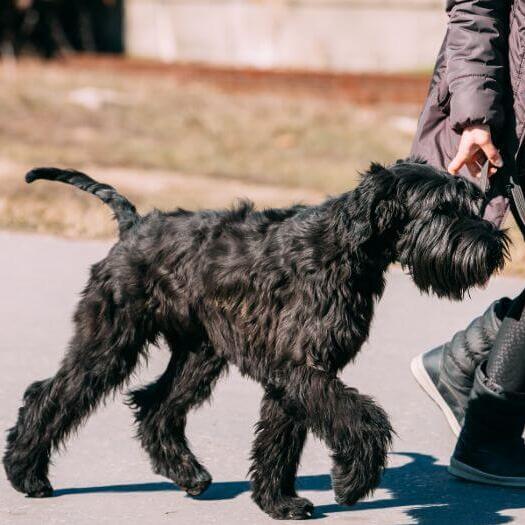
(161, 409)
(104, 350)
(276, 453)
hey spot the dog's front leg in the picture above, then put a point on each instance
(356, 430)
(275, 454)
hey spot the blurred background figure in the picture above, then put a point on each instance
(52, 27)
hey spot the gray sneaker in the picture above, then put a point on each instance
(446, 373)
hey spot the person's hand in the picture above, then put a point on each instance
(475, 147)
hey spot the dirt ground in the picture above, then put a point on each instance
(363, 88)
(182, 135)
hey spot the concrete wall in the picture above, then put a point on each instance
(333, 35)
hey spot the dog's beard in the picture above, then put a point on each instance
(448, 256)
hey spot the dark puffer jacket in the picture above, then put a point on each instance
(478, 79)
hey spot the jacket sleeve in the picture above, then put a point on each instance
(477, 56)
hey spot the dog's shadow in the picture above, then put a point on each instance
(424, 490)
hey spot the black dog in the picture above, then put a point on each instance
(287, 295)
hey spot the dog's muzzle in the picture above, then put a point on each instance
(448, 256)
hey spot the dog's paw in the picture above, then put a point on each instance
(195, 485)
(190, 476)
(346, 491)
(346, 500)
(28, 483)
(290, 508)
(38, 488)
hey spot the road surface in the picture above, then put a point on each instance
(104, 476)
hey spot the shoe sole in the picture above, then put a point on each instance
(425, 382)
(460, 470)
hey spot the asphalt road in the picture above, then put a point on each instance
(104, 477)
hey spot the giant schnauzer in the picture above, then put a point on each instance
(286, 295)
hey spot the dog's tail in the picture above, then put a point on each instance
(359, 465)
(125, 212)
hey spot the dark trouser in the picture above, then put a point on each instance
(506, 363)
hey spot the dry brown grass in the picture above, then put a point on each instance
(153, 122)
(167, 144)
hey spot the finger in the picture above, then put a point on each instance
(457, 163)
(492, 170)
(492, 154)
(464, 153)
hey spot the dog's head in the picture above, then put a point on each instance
(433, 221)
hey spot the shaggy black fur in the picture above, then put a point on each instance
(286, 295)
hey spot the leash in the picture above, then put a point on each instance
(511, 189)
(484, 182)
(518, 199)
(514, 191)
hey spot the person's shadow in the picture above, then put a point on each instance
(424, 490)
(431, 496)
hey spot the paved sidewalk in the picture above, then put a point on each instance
(105, 478)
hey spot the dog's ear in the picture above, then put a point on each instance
(375, 169)
(375, 206)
